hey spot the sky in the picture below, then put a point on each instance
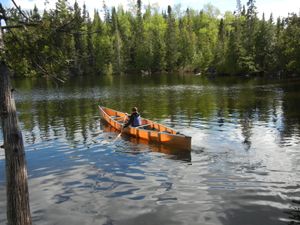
(277, 7)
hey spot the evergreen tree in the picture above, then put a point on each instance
(126, 30)
(117, 43)
(187, 41)
(207, 34)
(249, 37)
(141, 47)
(89, 45)
(238, 7)
(158, 30)
(171, 42)
(291, 43)
(264, 45)
(78, 40)
(35, 15)
(219, 56)
(279, 47)
(236, 53)
(102, 45)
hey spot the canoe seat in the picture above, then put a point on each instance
(166, 132)
(117, 117)
(143, 126)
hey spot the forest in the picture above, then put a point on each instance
(66, 41)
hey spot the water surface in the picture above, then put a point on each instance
(243, 167)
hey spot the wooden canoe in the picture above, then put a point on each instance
(149, 130)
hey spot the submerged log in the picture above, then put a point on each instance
(18, 210)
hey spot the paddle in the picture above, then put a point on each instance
(119, 135)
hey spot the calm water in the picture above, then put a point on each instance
(244, 167)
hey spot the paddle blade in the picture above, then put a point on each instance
(119, 135)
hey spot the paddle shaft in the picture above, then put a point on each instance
(119, 135)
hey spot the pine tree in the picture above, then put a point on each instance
(187, 42)
(235, 50)
(247, 62)
(207, 34)
(220, 51)
(89, 45)
(264, 45)
(35, 15)
(78, 40)
(291, 43)
(126, 30)
(171, 42)
(238, 7)
(158, 30)
(140, 48)
(117, 43)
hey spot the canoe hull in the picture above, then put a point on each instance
(150, 131)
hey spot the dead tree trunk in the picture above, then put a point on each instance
(18, 210)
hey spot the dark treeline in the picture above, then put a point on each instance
(66, 40)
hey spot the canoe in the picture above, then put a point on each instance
(149, 130)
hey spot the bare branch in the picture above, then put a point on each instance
(46, 73)
(21, 12)
(18, 26)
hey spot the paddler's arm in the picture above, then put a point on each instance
(129, 121)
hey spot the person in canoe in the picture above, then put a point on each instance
(134, 119)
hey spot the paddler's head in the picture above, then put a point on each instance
(134, 109)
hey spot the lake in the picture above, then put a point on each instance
(244, 166)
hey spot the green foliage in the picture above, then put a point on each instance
(67, 41)
(157, 28)
(264, 45)
(187, 42)
(291, 44)
(172, 52)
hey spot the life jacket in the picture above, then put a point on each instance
(136, 120)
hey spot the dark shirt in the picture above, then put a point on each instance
(131, 119)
